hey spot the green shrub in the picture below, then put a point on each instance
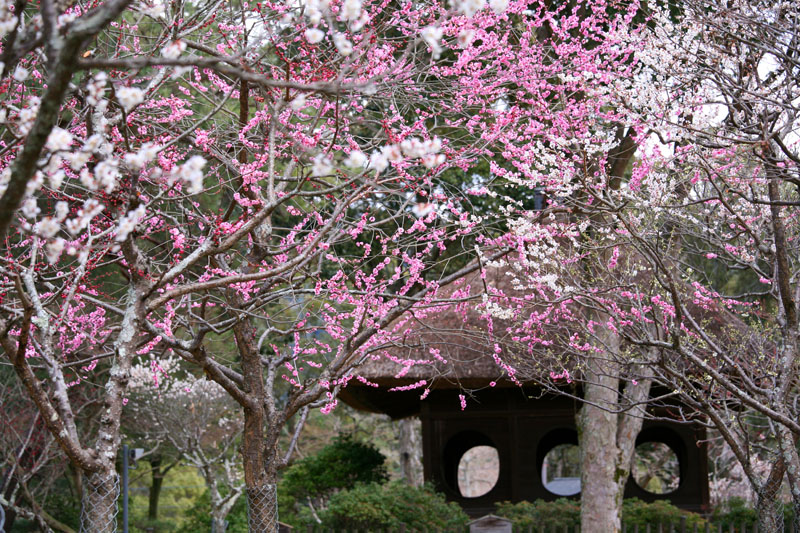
(635, 511)
(340, 465)
(564, 512)
(737, 512)
(198, 518)
(374, 506)
(559, 513)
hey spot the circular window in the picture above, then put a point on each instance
(561, 470)
(656, 468)
(478, 471)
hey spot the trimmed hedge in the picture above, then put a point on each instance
(374, 506)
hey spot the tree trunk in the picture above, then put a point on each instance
(597, 434)
(770, 514)
(218, 524)
(99, 506)
(262, 508)
(155, 488)
(408, 440)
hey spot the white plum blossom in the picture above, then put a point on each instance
(299, 102)
(29, 208)
(432, 35)
(53, 249)
(5, 177)
(128, 223)
(56, 179)
(90, 209)
(191, 173)
(59, 139)
(138, 160)
(351, 10)
(35, 183)
(321, 165)
(470, 7)
(313, 15)
(392, 152)
(93, 143)
(96, 88)
(378, 161)
(414, 147)
(356, 159)
(47, 227)
(20, 73)
(157, 10)
(62, 210)
(498, 6)
(130, 97)
(465, 37)
(174, 49)
(433, 160)
(357, 25)
(27, 115)
(343, 44)
(78, 159)
(314, 35)
(106, 174)
(8, 21)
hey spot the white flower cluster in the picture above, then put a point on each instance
(314, 10)
(413, 148)
(314, 35)
(174, 49)
(321, 165)
(27, 115)
(59, 139)
(351, 10)
(53, 249)
(20, 73)
(299, 102)
(138, 160)
(356, 159)
(343, 44)
(130, 97)
(5, 177)
(498, 6)
(8, 21)
(128, 223)
(91, 208)
(49, 226)
(465, 37)
(432, 35)
(96, 88)
(156, 10)
(30, 208)
(470, 7)
(191, 172)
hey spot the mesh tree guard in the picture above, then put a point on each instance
(99, 504)
(262, 508)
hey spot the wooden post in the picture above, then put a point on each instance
(683, 524)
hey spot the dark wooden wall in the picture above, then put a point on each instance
(523, 429)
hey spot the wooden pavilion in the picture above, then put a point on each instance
(521, 422)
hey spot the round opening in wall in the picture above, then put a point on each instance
(561, 470)
(656, 468)
(478, 471)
